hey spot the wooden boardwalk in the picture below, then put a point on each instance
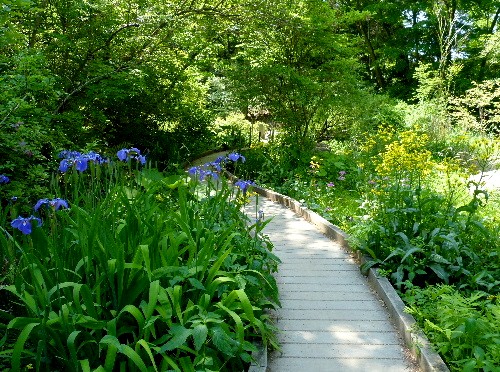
(330, 318)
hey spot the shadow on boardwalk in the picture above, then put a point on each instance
(330, 318)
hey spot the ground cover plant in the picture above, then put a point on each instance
(124, 267)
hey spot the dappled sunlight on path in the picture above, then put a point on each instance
(330, 318)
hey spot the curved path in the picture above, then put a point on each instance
(330, 318)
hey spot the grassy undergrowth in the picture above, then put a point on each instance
(126, 268)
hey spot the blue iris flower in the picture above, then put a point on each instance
(24, 224)
(244, 185)
(4, 179)
(132, 153)
(122, 154)
(81, 163)
(65, 164)
(56, 203)
(67, 154)
(203, 172)
(234, 156)
(193, 171)
(78, 160)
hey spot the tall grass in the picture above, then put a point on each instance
(142, 272)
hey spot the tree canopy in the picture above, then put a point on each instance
(156, 74)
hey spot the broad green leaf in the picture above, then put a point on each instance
(179, 336)
(245, 304)
(223, 341)
(237, 320)
(186, 364)
(71, 346)
(132, 355)
(440, 271)
(200, 333)
(85, 364)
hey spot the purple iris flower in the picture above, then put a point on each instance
(24, 224)
(216, 166)
(4, 179)
(136, 150)
(65, 164)
(40, 203)
(193, 171)
(234, 156)
(244, 185)
(79, 160)
(67, 154)
(122, 154)
(132, 153)
(56, 203)
(81, 163)
(202, 172)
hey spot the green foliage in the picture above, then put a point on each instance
(235, 132)
(464, 328)
(479, 108)
(417, 233)
(143, 271)
(297, 69)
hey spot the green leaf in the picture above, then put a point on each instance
(237, 320)
(200, 333)
(245, 304)
(19, 345)
(222, 341)
(196, 284)
(154, 290)
(71, 346)
(186, 364)
(440, 272)
(409, 252)
(131, 354)
(180, 335)
(85, 364)
(147, 261)
(146, 347)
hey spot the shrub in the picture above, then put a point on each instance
(464, 328)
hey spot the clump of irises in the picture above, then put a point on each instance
(213, 169)
(132, 153)
(78, 160)
(25, 224)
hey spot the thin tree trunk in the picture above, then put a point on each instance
(378, 72)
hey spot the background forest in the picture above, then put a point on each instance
(105, 74)
(373, 113)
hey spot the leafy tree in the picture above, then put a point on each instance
(295, 60)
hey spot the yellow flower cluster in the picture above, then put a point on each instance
(406, 158)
